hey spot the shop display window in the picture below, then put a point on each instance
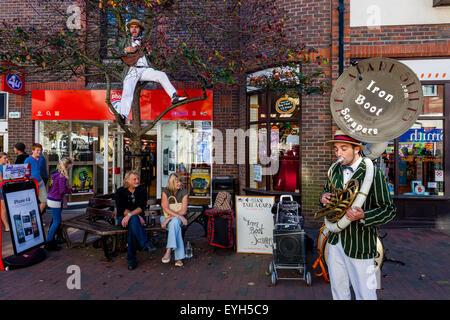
(278, 169)
(186, 149)
(83, 142)
(417, 167)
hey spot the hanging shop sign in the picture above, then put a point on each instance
(285, 105)
(422, 135)
(13, 83)
(90, 105)
(376, 99)
(254, 224)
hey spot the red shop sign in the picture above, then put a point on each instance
(90, 105)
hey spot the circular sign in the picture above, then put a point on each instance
(14, 82)
(377, 100)
(285, 105)
(419, 189)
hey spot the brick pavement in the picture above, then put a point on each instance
(223, 274)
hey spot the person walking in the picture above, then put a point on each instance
(19, 150)
(35, 162)
(55, 199)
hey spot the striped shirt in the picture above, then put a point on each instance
(359, 239)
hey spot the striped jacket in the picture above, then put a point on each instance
(359, 239)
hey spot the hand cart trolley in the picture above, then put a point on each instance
(288, 242)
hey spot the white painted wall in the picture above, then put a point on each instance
(372, 13)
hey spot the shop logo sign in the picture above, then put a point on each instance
(116, 97)
(14, 82)
(285, 105)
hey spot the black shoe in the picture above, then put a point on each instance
(52, 246)
(132, 266)
(150, 248)
(176, 98)
(122, 119)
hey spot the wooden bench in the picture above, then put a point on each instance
(100, 220)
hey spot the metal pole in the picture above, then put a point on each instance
(105, 156)
(341, 36)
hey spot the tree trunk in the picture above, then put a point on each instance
(135, 139)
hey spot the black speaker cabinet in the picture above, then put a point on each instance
(290, 246)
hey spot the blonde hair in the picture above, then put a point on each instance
(171, 182)
(127, 177)
(62, 167)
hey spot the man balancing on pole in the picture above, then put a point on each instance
(352, 251)
(140, 71)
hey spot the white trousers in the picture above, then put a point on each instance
(344, 270)
(141, 74)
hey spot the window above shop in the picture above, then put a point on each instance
(2, 105)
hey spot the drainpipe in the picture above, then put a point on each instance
(341, 36)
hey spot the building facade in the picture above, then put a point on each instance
(415, 32)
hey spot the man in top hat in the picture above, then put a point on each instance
(140, 72)
(352, 251)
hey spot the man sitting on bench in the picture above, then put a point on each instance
(131, 200)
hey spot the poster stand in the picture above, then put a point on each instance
(32, 253)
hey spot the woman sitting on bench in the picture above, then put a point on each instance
(174, 202)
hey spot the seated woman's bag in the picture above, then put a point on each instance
(173, 206)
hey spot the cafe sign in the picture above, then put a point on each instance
(376, 100)
(285, 105)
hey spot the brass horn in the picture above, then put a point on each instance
(341, 199)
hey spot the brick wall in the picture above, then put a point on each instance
(401, 41)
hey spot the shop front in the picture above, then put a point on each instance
(77, 124)
(415, 164)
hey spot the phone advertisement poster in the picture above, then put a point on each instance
(24, 218)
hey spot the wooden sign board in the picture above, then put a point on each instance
(254, 224)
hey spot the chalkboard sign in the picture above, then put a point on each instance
(285, 105)
(254, 224)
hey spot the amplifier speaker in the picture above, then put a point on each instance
(290, 246)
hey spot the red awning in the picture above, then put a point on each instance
(90, 105)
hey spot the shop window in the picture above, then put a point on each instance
(418, 168)
(433, 102)
(274, 160)
(186, 149)
(421, 159)
(80, 142)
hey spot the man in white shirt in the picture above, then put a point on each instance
(140, 72)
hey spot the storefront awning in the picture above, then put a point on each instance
(90, 105)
